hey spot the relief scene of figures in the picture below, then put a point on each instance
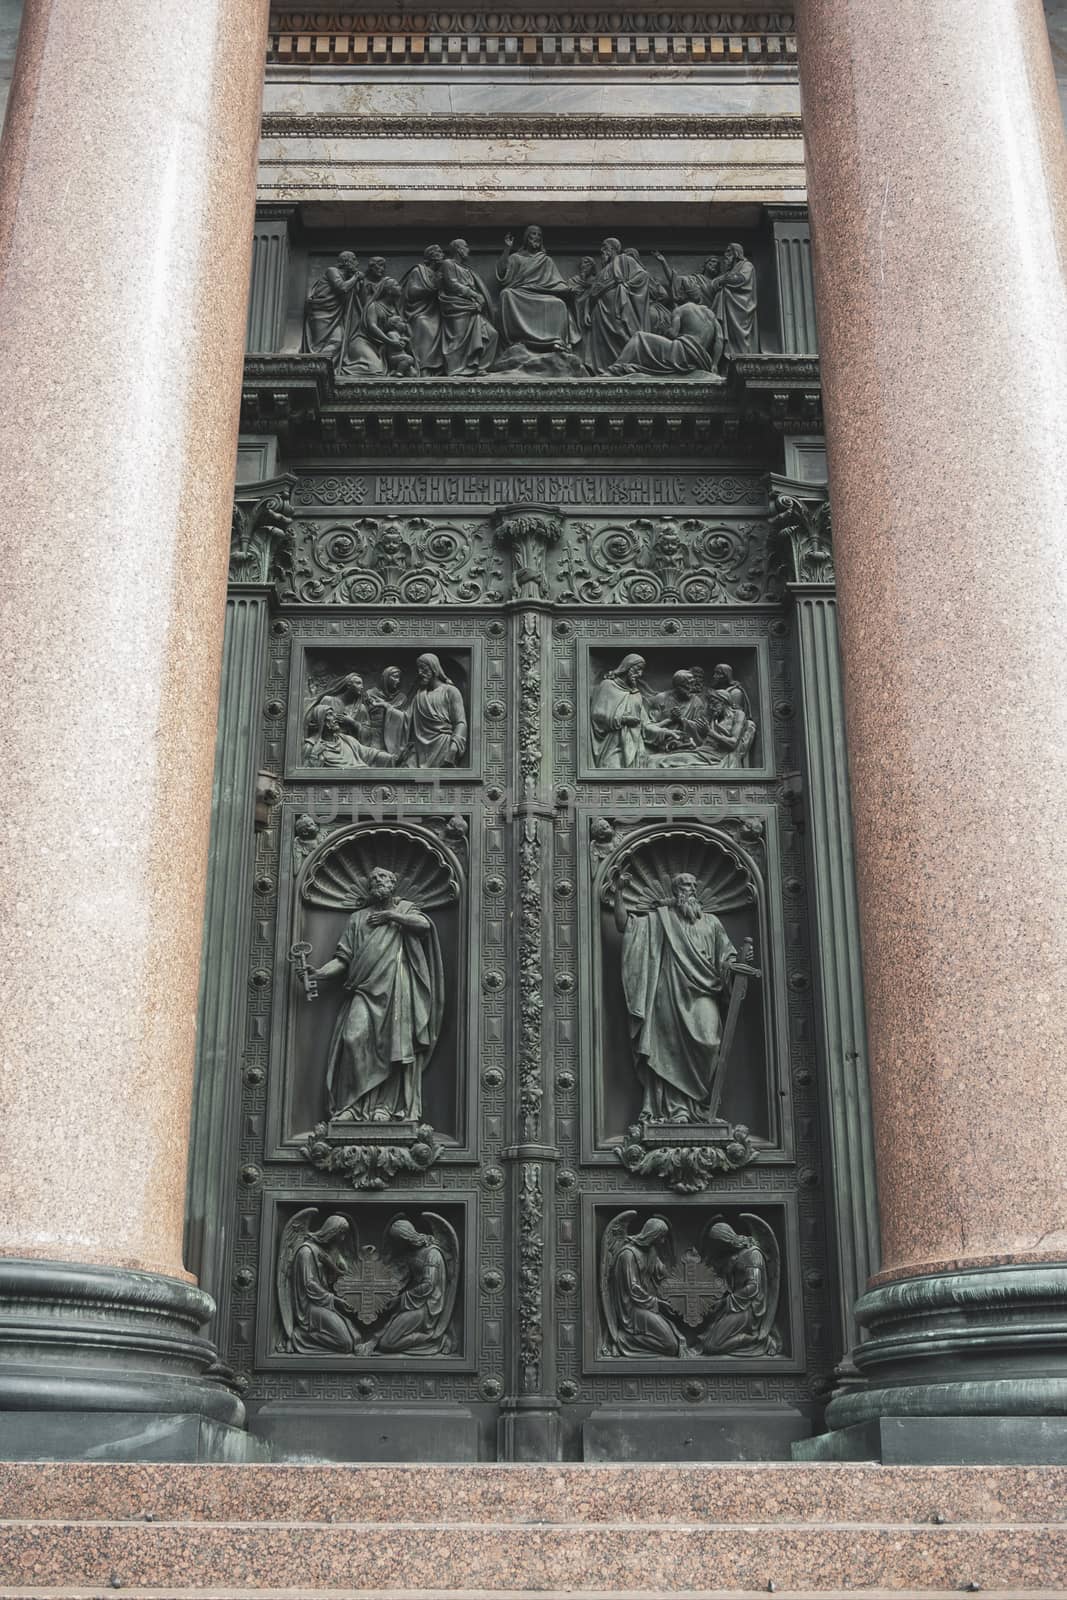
(665, 711)
(615, 312)
(690, 1284)
(410, 711)
(394, 1297)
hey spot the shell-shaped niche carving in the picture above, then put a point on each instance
(646, 863)
(426, 871)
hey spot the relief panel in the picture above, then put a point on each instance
(398, 710)
(683, 1039)
(384, 1282)
(680, 710)
(380, 1007)
(703, 1286)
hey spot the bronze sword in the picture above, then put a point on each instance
(742, 971)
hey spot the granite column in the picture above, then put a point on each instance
(127, 183)
(938, 191)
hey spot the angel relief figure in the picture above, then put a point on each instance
(419, 1321)
(310, 1261)
(747, 1266)
(337, 1299)
(633, 1270)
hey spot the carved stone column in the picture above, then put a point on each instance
(938, 189)
(124, 258)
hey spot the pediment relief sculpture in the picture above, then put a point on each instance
(614, 316)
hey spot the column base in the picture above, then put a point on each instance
(93, 1359)
(944, 1442)
(978, 1355)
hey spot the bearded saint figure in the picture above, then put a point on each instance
(328, 309)
(388, 1026)
(622, 724)
(677, 961)
(535, 301)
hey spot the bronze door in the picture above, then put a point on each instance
(530, 1161)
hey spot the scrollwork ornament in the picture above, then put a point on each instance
(371, 1166)
(688, 1169)
(804, 527)
(389, 560)
(531, 1259)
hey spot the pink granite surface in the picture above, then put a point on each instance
(647, 1557)
(126, 199)
(532, 1494)
(938, 189)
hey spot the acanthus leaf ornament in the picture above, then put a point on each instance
(371, 1166)
(802, 523)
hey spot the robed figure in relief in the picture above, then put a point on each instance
(437, 720)
(633, 1267)
(735, 302)
(616, 307)
(677, 965)
(389, 957)
(468, 337)
(535, 301)
(311, 1259)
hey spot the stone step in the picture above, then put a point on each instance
(528, 1495)
(644, 1557)
(170, 1593)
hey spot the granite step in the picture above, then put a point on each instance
(648, 1558)
(169, 1593)
(528, 1495)
(507, 1531)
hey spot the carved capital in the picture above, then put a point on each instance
(801, 521)
(261, 535)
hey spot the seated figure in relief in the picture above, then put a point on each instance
(326, 746)
(716, 729)
(351, 705)
(536, 302)
(693, 346)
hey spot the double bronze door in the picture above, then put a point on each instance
(530, 1160)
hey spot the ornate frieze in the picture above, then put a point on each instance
(415, 560)
(606, 313)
